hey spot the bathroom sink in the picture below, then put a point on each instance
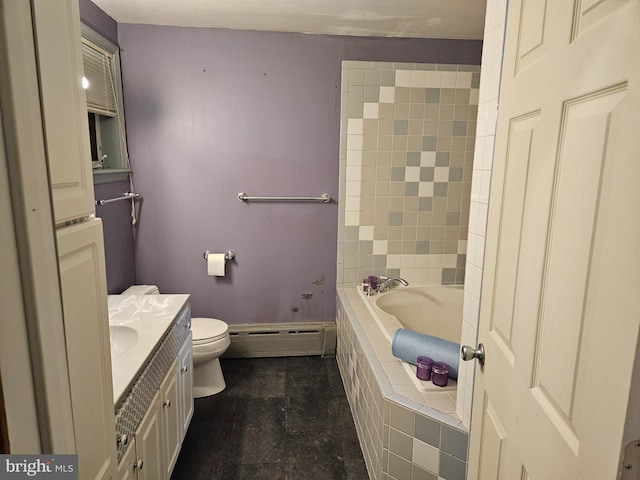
(123, 339)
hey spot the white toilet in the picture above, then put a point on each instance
(210, 340)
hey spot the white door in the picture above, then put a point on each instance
(86, 324)
(560, 307)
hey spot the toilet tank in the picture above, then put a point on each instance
(141, 290)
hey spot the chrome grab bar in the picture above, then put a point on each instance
(325, 198)
(125, 196)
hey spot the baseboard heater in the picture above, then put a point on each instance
(281, 340)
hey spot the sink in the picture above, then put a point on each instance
(123, 339)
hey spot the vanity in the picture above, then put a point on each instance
(152, 363)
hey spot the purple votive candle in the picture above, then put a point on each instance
(423, 368)
(440, 374)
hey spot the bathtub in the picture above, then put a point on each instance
(434, 310)
(387, 400)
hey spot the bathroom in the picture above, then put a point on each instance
(191, 158)
(192, 154)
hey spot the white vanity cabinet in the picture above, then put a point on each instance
(171, 419)
(185, 359)
(143, 459)
(154, 447)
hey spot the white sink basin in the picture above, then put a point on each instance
(123, 339)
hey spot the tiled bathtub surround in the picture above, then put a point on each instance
(406, 159)
(400, 438)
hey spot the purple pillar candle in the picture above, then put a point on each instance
(423, 368)
(440, 374)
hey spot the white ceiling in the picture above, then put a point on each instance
(462, 19)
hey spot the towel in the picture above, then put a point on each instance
(408, 345)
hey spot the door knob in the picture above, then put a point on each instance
(469, 353)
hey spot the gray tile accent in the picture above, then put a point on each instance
(427, 430)
(395, 218)
(422, 246)
(388, 78)
(413, 159)
(352, 233)
(397, 174)
(420, 474)
(451, 468)
(400, 127)
(427, 174)
(475, 80)
(433, 95)
(399, 467)
(425, 204)
(411, 189)
(429, 143)
(440, 189)
(448, 276)
(453, 218)
(401, 444)
(443, 159)
(401, 418)
(456, 174)
(372, 76)
(446, 67)
(454, 442)
(366, 247)
(371, 94)
(459, 128)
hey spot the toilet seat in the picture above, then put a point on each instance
(207, 330)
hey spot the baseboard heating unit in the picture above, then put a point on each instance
(281, 339)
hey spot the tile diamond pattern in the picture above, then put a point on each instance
(409, 144)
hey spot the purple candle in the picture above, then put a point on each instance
(423, 368)
(440, 374)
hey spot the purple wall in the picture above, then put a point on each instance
(211, 113)
(116, 219)
(94, 17)
(118, 236)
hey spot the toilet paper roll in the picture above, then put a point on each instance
(215, 264)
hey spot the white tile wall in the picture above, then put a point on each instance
(490, 71)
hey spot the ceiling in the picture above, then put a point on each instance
(461, 19)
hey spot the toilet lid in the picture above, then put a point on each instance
(208, 329)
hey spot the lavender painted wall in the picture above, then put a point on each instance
(118, 236)
(211, 113)
(116, 219)
(96, 18)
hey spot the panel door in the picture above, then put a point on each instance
(149, 443)
(171, 419)
(86, 324)
(64, 108)
(560, 306)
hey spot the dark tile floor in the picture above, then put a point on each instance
(279, 418)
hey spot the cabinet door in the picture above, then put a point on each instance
(64, 108)
(127, 467)
(149, 444)
(171, 420)
(186, 385)
(86, 321)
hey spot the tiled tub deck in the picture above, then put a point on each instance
(405, 433)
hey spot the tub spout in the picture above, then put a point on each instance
(388, 283)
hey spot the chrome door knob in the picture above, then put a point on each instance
(469, 353)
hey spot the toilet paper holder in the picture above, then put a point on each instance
(229, 255)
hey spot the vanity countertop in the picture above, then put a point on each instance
(149, 317)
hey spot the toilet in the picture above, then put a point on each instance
(210, 340)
